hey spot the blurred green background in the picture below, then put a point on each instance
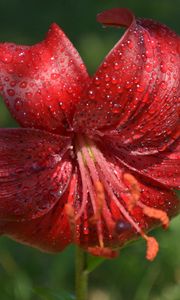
(25, 271)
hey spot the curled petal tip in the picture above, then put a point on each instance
(116, 17)
(54, 28)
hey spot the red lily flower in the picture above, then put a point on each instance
(97, 159)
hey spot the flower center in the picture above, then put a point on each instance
(100, 186)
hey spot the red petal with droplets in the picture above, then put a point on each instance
(35, 169)
(50, 232)
(42, 83)
(157, 197)
(134, 94)
(163, 167)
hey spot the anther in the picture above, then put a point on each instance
(152, 247)
(101, 241)
(100, 197)
(134, 190)
(104, 252)
(156, 214)
(70, 213)
(69, 210)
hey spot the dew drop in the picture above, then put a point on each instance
(116, 66)
(163, 85)
(70, 90)
(104, 64)
(18, 104)
(10, 71)
(163, 68)
(148, 68)
(12, 83)
(11, 92)
(54, 76)
(119, 89)
(91, 94)
(122, 226)
(107, 78)
(140, 88)
(116, 108)
(86, 230)
(23, 84)
(29, 95)
(107, 86)
(82, 66)
(7, 58)
(130, 44)
(114, 80)
(97, 80)
(148, 54)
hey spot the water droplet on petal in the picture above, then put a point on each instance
(70, 90)
(149, 53)
(23, 84)
(116, 66)
(6, 58)
(91, 94)
(107, 78)
(97, 80)
(18, 104)
(130, 44)
(116, 108)
(149, 67)
(122, 226)
(12, 83)
(114, 80)
(140, 88)
(54, 76)
(163, 68)
(104, 64)
(119, 89)
(29, 95)
(11, 92)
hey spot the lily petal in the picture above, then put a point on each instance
(41, 84)
(49, 233)
(134, 94)
(35, 170)
(163, 167)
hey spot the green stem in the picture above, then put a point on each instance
(81, 275)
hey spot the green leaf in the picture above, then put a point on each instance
(93, 262)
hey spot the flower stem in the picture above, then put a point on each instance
(81, 275)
